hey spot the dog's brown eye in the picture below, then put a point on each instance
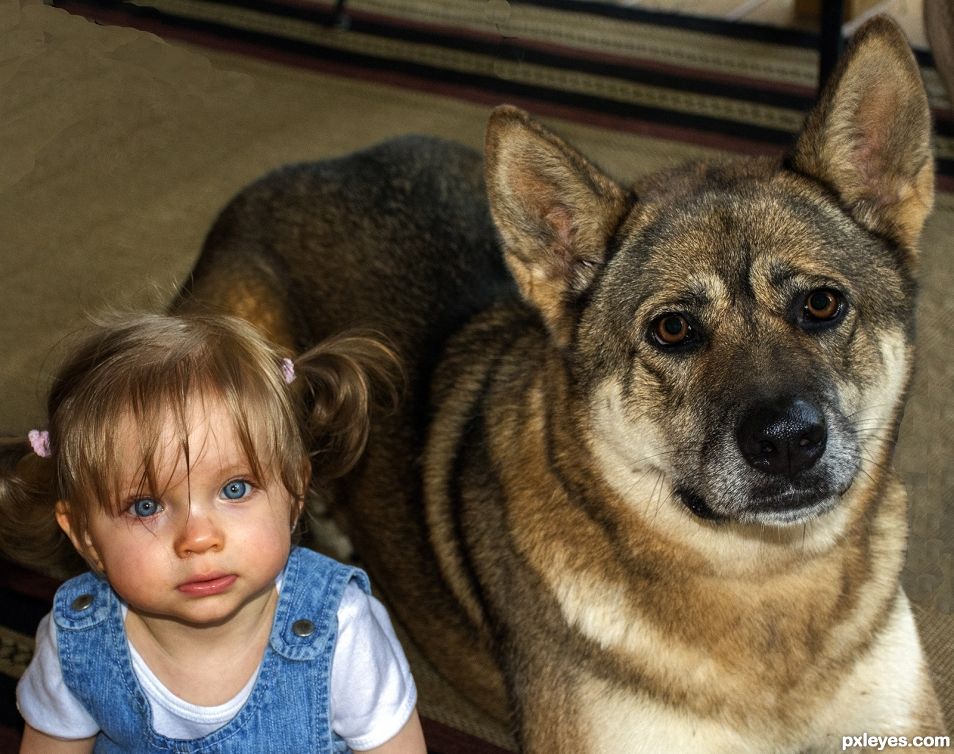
(820, 310)
(672, 330)
(822, 305)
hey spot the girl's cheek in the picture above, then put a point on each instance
(136, 527)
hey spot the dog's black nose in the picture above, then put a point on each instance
(784, 436)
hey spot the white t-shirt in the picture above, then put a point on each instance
(372, 690)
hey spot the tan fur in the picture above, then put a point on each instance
(250, 297)
(565, 515)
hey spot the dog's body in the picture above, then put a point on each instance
(640, 490)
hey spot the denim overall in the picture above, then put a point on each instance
(288, 710)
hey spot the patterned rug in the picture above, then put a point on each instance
(714, 83)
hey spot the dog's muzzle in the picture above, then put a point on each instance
(782, 437)
(788, 465)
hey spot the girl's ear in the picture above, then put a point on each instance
(84, 546)
(299, 506)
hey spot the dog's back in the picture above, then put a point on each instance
(397, 233)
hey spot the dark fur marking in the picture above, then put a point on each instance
(576, 494)
(613, 245)
(468, 441)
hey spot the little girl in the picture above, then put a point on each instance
(179, 462)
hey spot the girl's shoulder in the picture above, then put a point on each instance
(43, 697)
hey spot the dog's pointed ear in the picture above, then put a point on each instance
(555, 212)
(869, 136)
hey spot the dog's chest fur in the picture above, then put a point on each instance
(879, 693)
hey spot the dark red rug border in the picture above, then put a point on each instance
(442, 739)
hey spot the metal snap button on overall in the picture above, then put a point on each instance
(83, 602)
(303, 628)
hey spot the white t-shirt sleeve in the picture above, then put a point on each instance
(372, 690)
(44, 700)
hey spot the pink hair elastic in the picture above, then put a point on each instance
(288, 371)
(40, 442)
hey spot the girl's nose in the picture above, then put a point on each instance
(200, 533)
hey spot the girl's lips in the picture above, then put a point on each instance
(205, 587)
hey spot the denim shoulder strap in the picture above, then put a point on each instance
(306, 617)
(92, 649)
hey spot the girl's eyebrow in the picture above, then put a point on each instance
(236, 459)
(236, 469)
(236, 466)
(131, 484)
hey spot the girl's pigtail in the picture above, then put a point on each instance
(29, 533)
(347, 377)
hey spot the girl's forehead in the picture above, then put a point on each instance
(176, 443)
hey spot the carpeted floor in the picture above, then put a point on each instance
(118, 149)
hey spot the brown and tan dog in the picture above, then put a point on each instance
(641, 491)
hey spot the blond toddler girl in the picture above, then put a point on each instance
(177, 462)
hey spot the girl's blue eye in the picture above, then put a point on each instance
(235, 490)
(145, 507)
